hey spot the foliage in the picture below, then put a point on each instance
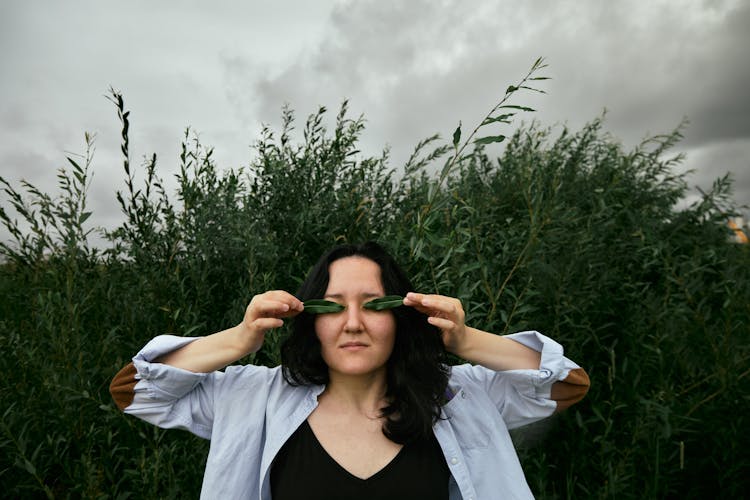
(568, 234)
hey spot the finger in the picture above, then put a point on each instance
(419, 297)
(441, 323)
(265, 324)
(436, 304)
(265, 307)
(273, 309)
(428, 299)
(414, 300)
(440, 303)
(283, 296)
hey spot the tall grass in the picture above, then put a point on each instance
(566, 233)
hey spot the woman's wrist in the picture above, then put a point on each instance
(244, 340)
(462, 345)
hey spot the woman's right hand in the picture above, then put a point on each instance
(214, 352)
(265, 312)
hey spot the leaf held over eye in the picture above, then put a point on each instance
(383, 303)
(322, 306)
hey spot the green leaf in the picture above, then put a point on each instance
(322, 306)
(538, 64)
(457, 135)
(383, 303)
(75, 165)
(511, 89)
(500, 118)
(533, 89)
(29, 467)
(513, 106)
(490, 139)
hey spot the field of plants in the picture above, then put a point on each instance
(566, 233)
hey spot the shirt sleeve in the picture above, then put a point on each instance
(169, 397)
(525, 396)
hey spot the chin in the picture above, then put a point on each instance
(356, 368)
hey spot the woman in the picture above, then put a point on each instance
(363, 405)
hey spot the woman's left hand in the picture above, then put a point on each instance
(446, 313)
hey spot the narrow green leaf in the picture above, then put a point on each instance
(383, 303)
(513, 106)
(490, 139)
(75, 165)
(538, 64)
(533, 89)
(457, 135)
(510, 89)
(500, 118)
(29, 467)
(322, 306)
(82, 218)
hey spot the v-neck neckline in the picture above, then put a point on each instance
(332, 460)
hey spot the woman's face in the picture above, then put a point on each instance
(355, 341)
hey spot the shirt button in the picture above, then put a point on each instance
(454, 461)
(463, 395)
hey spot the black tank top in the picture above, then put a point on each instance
(304, 470)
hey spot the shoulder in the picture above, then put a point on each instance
(239, 377)
(251, 382)
(252, 372)
(496, 385)
(468, 373)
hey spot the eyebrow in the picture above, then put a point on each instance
(364, 295)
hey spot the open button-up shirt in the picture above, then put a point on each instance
(248, 412)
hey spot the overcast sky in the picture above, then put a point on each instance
(413, 68)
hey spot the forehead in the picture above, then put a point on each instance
(354, 274)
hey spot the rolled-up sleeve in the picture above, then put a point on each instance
(163, 395)
(525, 396)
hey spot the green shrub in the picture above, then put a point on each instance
(567, 234)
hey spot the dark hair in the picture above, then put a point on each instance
(417, 374)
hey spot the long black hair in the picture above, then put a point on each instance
(417, 372)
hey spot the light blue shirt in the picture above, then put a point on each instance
(248, 412)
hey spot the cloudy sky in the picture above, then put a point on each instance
(413, 68)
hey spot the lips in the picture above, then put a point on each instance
(353, 346)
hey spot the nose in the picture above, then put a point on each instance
(353, 319)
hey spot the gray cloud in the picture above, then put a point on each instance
(413, 68)
(417, 68)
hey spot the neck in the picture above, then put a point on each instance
(361, 393)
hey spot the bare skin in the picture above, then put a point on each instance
(213, 352)
(352, 435)
(347, 419)
(476, 346)
(355, 344)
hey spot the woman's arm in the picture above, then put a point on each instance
(496, 352)
(476, 346)
(216, 351)
(172, 380)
